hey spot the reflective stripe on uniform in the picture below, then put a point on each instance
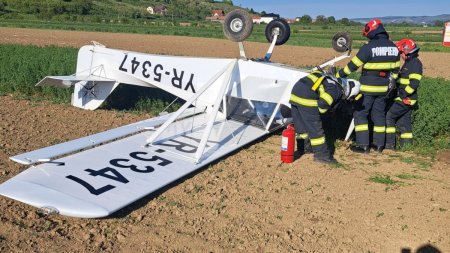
(317, 83)
(409, 89)
(406, 136)
(318, 141)
(381, 65)
(370, 88)
(313, 78)
(302, 136)
(358, 97)
(404, 81)
(347, 70)
(390, 130)
(363, 127)
(415, 76)
(394, 75)
(325, 96)
(357, 62)
(379, 129)
(413, 102)
(303, 101)
(322, 110)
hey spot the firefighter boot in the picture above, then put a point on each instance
(364, 149)
(379, 149)
(325, 158)
(389, 146)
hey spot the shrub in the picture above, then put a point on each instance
(431, 118)
(23, 66)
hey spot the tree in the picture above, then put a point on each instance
(439, 23)
(331, 20)
(2, 6)
(305, 19)
(321, 19)
(344, 21)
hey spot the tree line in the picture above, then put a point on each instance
(50, 7)
(323, 20)
(186, 9)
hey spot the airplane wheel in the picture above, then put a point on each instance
(281, 27)
(238, 25)
(341, 42)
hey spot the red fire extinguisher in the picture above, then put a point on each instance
(288, 144)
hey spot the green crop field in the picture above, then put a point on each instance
(24, 66)
(428, 38)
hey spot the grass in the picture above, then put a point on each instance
(198, 188)
(340, 165)
(421, 164)
(383, 179)
(174, 203)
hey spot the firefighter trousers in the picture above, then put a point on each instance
(308, 125)
(398, 119)
(374, 105)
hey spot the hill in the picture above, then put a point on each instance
(181, 9)
(410, 19)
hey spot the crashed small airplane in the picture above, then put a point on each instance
(229, 103)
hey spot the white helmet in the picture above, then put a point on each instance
(350, 87)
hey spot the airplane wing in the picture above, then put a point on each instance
(97, 175)
(97, 182)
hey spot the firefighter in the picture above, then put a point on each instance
(399, 113)
(380, 61)
(312, 96)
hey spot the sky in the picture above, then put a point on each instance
(348, 8)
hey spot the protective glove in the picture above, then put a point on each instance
(406, 101)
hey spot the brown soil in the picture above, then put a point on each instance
(247, 202)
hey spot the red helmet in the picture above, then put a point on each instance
(370, 26)
(407, 46)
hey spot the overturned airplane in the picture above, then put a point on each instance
(229, 103)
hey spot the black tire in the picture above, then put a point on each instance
(238, 25)
(283, 28)
(341, 42)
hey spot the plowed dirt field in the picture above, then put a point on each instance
(248, 202)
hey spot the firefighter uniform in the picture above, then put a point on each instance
(380, 61)
(398, 118)
(312, 96)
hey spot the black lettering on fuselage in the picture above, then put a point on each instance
(177, 81)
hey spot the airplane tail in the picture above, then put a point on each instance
(89, 91)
